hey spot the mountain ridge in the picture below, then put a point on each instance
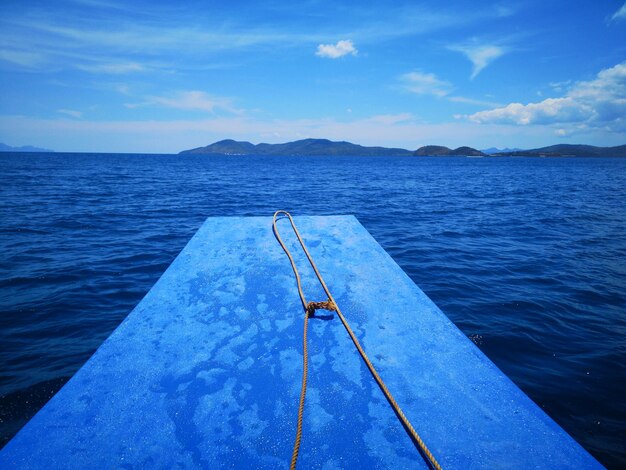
(24, 148)
(310, 147)
(441, 151)
(304, 147)
(568, 150)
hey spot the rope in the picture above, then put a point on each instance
(330, 304)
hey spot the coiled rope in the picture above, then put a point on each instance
(330, 304)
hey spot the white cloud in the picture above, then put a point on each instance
(113, 69)
(480, 55)
(70, 112)
(334, 51)
(598, 103)
(190, 100)
(547, 111)
(620, 14)
(422, 83)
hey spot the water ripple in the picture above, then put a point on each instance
(526, 256)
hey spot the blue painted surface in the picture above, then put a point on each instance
(205, 372)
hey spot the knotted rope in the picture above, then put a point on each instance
(330, 304)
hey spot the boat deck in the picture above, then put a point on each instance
(206, 370)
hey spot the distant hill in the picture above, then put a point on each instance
(492, 150)
(26, 148)
(568, 150)
(327, 147)
(441, 151)
(299, 147)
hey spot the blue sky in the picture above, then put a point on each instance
(108, 76)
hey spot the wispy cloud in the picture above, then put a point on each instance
(472, 101)
(22, 58)
(71, 112)
(117, 36)
(504, 10)
(113, 69)
(415, 19)
(481, 55)
(106, 5)
(620, 14)
(167, 33)
(598, 103)
(560, 86)
(392, 118)
(122, 88)
(422, 83)
(191, 101)
(334, 51)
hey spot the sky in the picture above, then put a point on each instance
(161, 77)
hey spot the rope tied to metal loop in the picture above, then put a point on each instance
(330, 304)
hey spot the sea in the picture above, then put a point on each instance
(527, 256)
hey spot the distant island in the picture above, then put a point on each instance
(26, 148)
(320, 147)
(306, 147)
(567, 150)
(311, 147)
(441, 151)
(315, 147)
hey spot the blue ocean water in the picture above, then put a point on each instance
(527, 256)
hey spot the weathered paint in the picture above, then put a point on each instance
(206, 370)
